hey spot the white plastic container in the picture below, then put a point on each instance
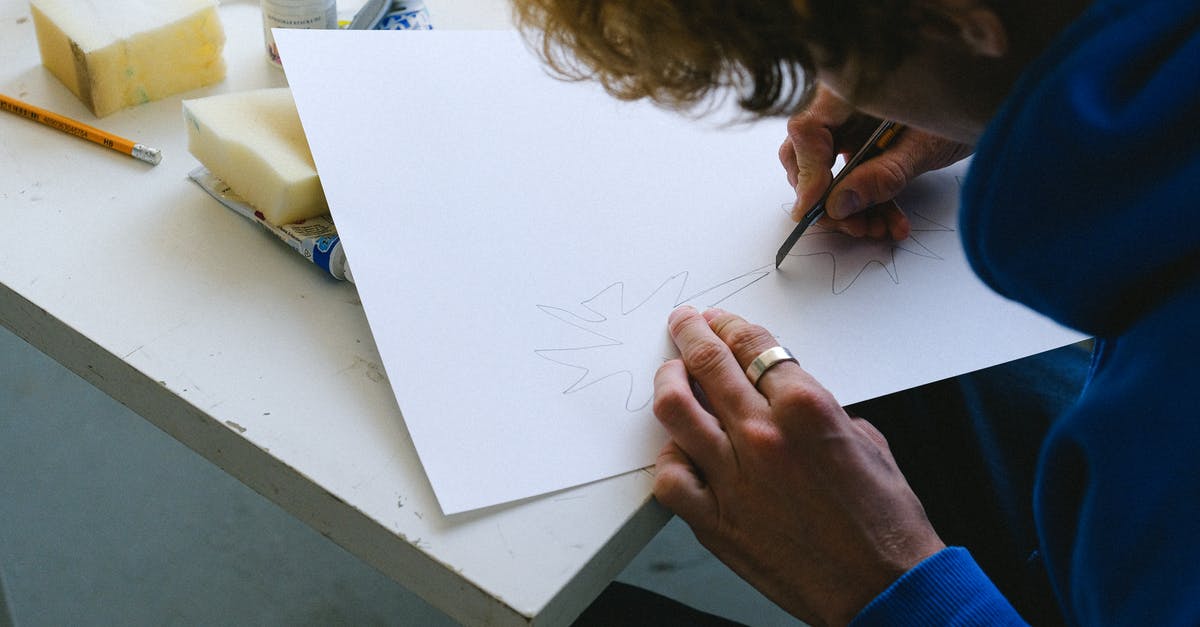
(295, 14)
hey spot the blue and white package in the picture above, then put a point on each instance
(392, 15)
(411, 15)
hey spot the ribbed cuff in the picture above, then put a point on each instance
(947, 588)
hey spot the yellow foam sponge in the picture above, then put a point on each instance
(120, 53)
(253, 141)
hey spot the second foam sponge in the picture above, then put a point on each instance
(253, 142)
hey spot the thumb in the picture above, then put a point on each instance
(880, 179)
(873, 182)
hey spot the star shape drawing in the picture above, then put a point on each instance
(853, 256)
(626, 328)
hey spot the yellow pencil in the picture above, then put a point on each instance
(79, 129)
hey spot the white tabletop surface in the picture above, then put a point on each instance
(201, 322)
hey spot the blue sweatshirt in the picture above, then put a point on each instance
(1083, 202)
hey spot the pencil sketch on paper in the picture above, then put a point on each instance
(624, 328)
(853, 257)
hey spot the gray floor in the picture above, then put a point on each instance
(104, 520)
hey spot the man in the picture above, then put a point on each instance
(1080, 203)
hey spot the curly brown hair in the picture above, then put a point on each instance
(680, 53)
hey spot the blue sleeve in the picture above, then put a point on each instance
(947, 588)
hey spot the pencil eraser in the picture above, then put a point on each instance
(253, 141)
(121, 53)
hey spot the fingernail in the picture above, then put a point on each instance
(679, 312)
(712, 312)
(844, 204)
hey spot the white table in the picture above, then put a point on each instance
(133, 278)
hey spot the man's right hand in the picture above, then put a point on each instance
(861, 205)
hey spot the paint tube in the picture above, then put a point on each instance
(315, 238)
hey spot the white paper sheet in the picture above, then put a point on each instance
(518, 242)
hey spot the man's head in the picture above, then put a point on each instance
(677, 52)
(940, 64)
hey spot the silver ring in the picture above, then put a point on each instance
(766, 360)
